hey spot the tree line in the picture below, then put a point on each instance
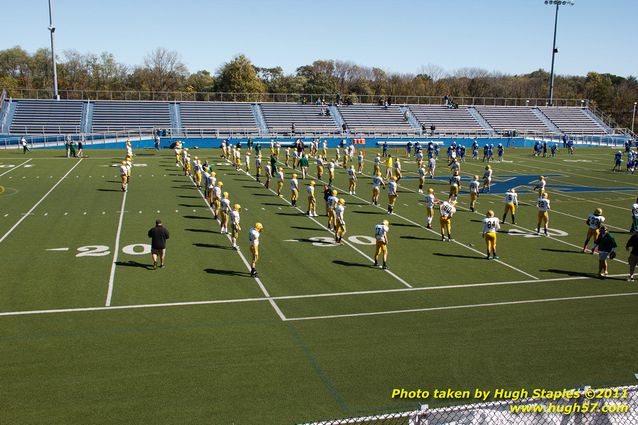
(163, 71)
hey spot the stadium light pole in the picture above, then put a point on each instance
(633, 117)
(55, 71)
(554, 49)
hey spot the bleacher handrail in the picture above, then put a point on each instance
(310, 98)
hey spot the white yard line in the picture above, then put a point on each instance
(391, 273)
(437, 233)
(245, 261)
(458, 307)
(116, 250)
(28, 213)
(17, 166)
(292, 297)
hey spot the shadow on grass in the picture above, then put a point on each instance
(195, 217)
(190, 206)
(419, 238)
(188, 196)
(569, 272)
(470, 257)
(109, 190)
(351, 264)
(262, 194)
(274, 204)
(306, 228)
(227, 272)
(298, 214)
(200, 230)
(562, 250)
(210, 245)
(405, 225)
(134, 264)
(369, 212)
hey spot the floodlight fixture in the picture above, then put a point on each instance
(51, 29)
(554, 49)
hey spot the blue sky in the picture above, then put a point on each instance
(508, 36)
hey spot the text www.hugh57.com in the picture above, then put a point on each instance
(568, 409)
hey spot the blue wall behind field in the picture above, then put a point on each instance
(394, 143)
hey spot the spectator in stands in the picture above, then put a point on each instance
(385, 104)
(292, 128)
(344, 127)
(338, 99)
(432, 128)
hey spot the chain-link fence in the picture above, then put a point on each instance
(586, 406)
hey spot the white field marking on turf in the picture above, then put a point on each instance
(531, 230)
(554, 211)
(592, 202)
(39, 202)
(458, 307)
(128, 307)
(291, 297)
(572, 173)
(13, 168)
(455, 241)
(274, 305)
(57, 249)
(116, 250)
(394, 275)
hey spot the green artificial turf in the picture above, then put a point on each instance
(326, 335)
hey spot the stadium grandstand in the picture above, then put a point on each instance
(114, 120)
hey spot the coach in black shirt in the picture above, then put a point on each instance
(158, 235)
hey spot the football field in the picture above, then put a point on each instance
(91, 333)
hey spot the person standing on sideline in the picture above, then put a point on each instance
(25, 147)
(634, 217)
(633, 255)
(159, 235)
(253, 237)
(606, 249)
(157, 142)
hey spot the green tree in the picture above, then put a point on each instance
(239, 76)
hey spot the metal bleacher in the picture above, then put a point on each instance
(281, 116)
(110, 115)
(445, 119)
(47, 117)
(571, 120)
(366, 117)
(512, 118)
(217, 116)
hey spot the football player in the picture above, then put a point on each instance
(511, 202)
(594, 221)
(381, 237)
(543, 213)
(489, 229)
